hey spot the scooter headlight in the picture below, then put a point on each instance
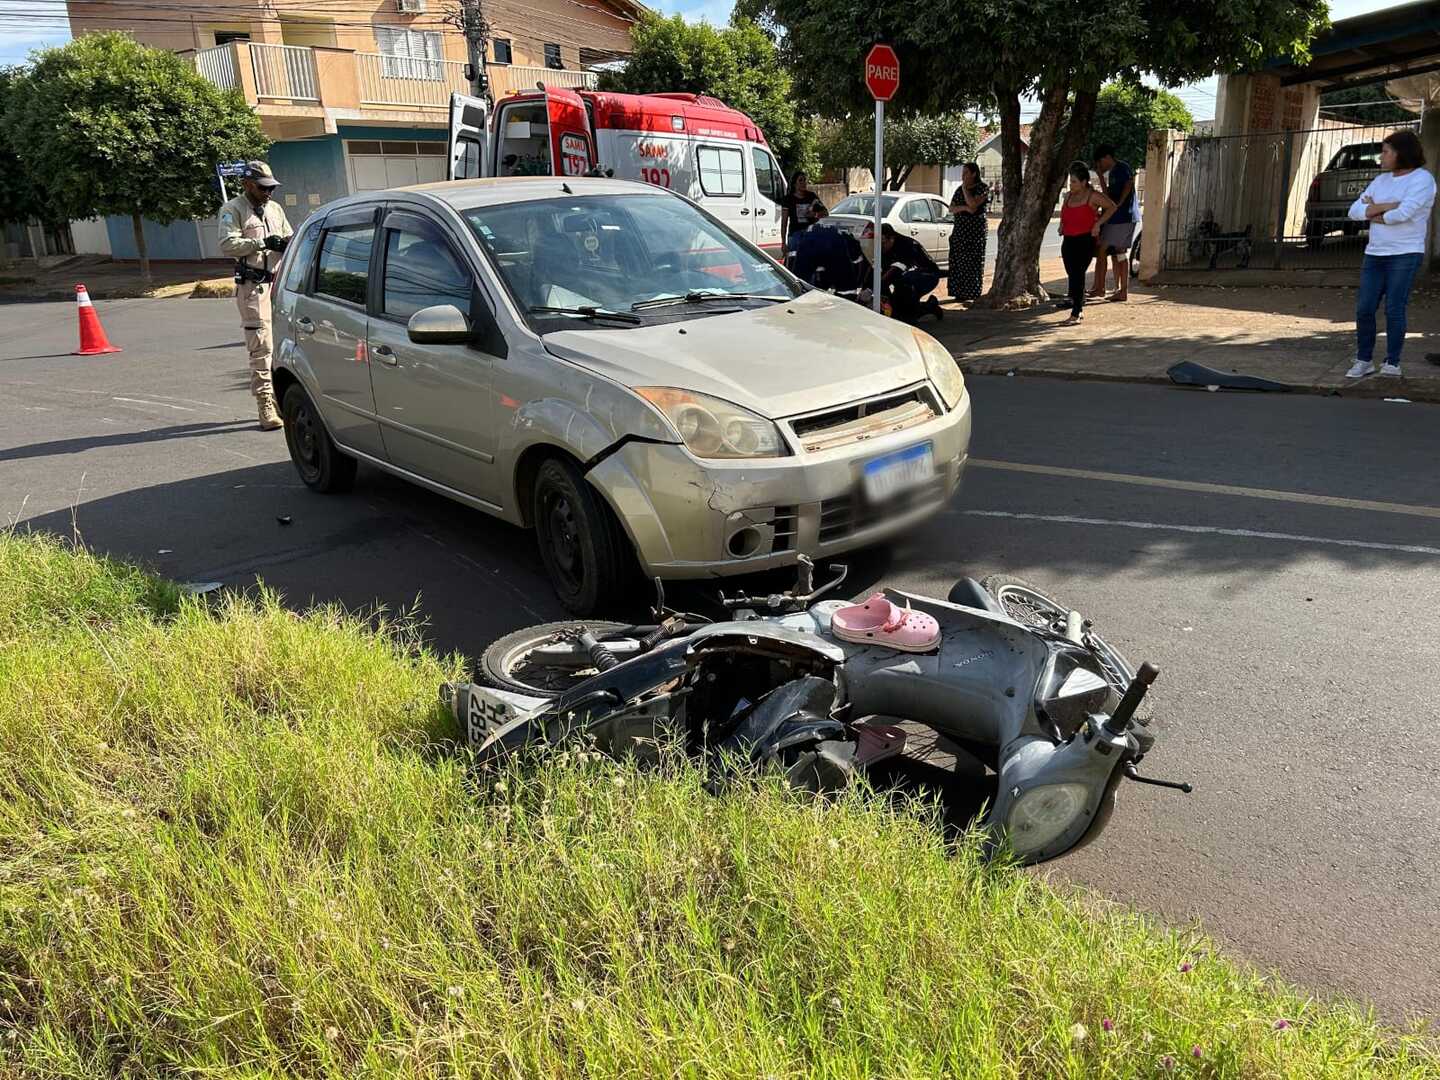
(1043, 814)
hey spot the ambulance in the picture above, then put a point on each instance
(695, 145)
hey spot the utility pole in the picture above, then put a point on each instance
(468, 17)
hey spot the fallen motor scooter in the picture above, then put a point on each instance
(1040, 709)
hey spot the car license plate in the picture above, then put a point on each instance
(1356, 187)
(896, 473)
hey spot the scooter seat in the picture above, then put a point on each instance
(879, 622)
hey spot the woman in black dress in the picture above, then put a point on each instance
(967, 240)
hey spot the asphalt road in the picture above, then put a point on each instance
(1296, 632)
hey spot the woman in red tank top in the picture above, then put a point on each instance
(1083, 211)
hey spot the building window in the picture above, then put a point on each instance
(409, 54)
(552, 57)
(502, 50)
(224, 37)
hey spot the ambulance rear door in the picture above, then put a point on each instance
(572, 147)
(469, 151)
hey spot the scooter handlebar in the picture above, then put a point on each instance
(1134, 694)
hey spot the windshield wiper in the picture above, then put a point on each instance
(588, 311)
(697, 297)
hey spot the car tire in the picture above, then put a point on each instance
(581, 542)
(320, 463)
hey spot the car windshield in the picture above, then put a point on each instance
(587, 258)
(864, 205)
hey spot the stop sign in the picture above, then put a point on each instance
(882, 72)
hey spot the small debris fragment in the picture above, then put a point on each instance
(284, 519)
(200, 588)
(1399, 400)
(1212, 388)
(165, 551)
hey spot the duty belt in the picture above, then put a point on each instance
(257, 275)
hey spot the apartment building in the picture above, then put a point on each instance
(355, 93)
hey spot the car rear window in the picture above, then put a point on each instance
(864, 205)
(344, 270)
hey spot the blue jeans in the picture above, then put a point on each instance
(1390, 276)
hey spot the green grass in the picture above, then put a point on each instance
(238, 843)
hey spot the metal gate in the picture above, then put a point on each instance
(1275, 200)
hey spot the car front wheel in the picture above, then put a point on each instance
(581, 542)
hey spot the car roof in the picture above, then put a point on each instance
(468, 194)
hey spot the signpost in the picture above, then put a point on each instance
(882, 79)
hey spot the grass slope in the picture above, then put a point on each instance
(237, 844)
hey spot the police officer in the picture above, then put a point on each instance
(254, 232)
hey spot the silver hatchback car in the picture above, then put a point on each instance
(608, 364)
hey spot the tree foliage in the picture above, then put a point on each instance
(1126, 113)
(909, 141)
(109, 126)
(1056, 51)
(737, 64)
(1368, 105)
(20, 199)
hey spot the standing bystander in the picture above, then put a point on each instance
(1397, 205)
(1083, 214)
(1119, 231)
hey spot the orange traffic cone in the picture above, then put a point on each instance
(92, 334)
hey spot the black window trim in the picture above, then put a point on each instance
(509, 44)
(342, 218)
(700, 174)
(315, 224)
(559, 64)
(779, 177)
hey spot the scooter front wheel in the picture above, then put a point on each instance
(516, 662)
(1028, 606)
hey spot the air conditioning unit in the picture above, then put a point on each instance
(410, 7)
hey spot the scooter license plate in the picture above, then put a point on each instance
(894, 474)
(488, 710)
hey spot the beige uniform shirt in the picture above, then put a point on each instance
(243, 230)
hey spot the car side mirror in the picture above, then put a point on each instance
(443, 324)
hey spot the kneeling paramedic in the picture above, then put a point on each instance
(909, 273)
(826, 257)
(254, 232)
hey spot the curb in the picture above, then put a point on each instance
(1367, 390)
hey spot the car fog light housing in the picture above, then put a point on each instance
(1043, 814)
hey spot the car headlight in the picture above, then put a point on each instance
(941, 368)
(711, 428)
(1043, 814)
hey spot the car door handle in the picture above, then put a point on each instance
(385, 355)
(304, 325)
(760, 213)
(745, 213)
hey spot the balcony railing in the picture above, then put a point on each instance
(508, 79)
(408, 81)
(290, 73)
(285, 71)
(218, 65)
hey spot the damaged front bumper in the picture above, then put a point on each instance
(689, 518)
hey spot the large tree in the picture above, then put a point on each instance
(20, 200)
(1369, 106)
(109, 126)
(737, 64)
(1126, 113)
(1057, 52)
(910, 141)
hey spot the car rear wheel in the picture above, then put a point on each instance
(317, 459)
(581, 542)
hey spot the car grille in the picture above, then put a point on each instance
(845, 515)
(865, 420)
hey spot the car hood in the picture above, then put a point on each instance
(779, 360)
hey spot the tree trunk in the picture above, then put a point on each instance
(140, 250)
(898, 175)
(1029, 200)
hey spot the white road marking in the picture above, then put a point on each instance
(157, 404)
(1211, 489)
(1209, 530)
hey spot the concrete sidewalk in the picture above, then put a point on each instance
(1303, 337)
(107, 279)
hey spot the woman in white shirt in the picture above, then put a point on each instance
(1397, 205)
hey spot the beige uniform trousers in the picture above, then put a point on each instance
(254, 302)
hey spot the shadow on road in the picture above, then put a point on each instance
(124, 438)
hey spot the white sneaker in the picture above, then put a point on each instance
(1360, 369)
(1392, 370)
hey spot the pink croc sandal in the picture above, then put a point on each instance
(879, 622)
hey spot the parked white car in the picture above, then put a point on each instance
(925, 217)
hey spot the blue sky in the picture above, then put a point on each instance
(17, 38)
